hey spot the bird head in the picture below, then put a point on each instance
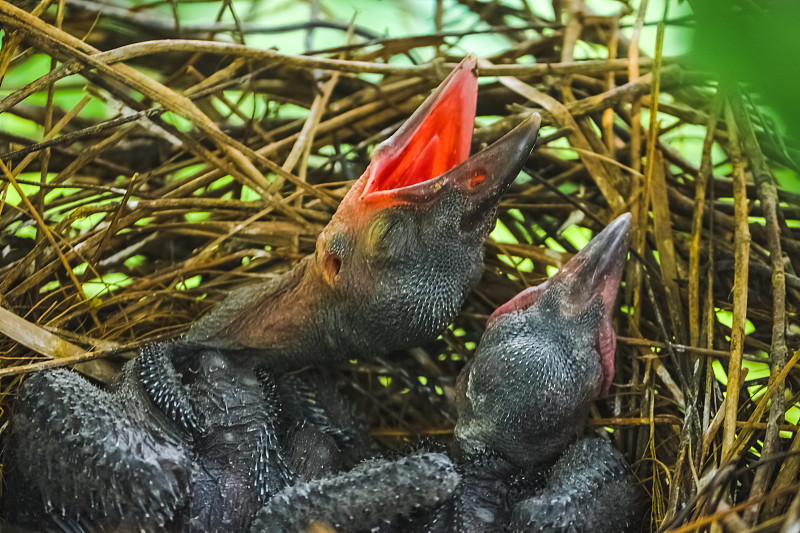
(406, 244)
(546, 355)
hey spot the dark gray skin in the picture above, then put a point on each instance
(199, 434)
(76, 456)
(360, 500)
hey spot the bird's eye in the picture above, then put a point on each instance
(378, 232)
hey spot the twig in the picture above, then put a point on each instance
(742, 251)
(768, 197)
(71, 137)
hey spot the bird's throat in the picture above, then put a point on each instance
(279, 318)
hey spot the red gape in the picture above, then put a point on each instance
(437, 141)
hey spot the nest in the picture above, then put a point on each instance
(165, 173)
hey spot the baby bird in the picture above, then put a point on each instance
(523, 400)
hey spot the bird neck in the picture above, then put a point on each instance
(282, 320)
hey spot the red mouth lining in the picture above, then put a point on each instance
(439, 142)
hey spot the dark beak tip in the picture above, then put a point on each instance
(514, 148)
(527, 132)
(615, 237)
(621, 234)
(604, 257)
(533, 123)
(621, 224)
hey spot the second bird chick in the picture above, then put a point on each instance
(523, 401)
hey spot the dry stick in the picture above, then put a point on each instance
(671, 352)
(79, 359)
(608, 114)
(585, 135)
(640, 223)
(749, 427)
(65, 45)
(636, 341)
(792, 522)
(20, 167)
(617, 95)
(786, 475)
(132, 51)
(45, 270)
(369, 110)
(111, 230)
(48, 233)
(634, 63)
(657, 185)
(210, 83)
(572, 31)
(719, 478)
(676, 391)
(768, 198)
(73, 136)
(743, 439)
(209, 248)
(633, 284)
(83, 187)
(713, 427)
(43, 342)
(716, 484)
(701, 181)
(731, 520)
(305, 139)
(69, 67)
(44, 156)
(11, 41)
(664, 243)
(48, 269)
(710, 320)
(742, 258)
(215, 85)
(306, 135)
(364, 110)
(697, 224)
(699, 523)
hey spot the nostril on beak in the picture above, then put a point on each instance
(476, 179)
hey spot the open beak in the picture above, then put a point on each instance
(433, 140)
(428, 155)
